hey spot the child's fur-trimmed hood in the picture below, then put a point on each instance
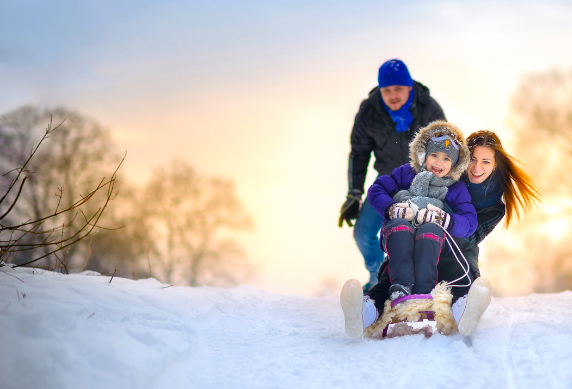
(418, 147)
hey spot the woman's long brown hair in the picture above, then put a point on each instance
(517, 187)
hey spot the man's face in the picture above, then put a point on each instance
(395, 96)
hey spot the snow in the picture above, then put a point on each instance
(81, 331)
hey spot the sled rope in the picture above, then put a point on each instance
(450, 239)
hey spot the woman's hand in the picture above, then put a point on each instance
(433, 214)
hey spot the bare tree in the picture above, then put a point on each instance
(53, 241)
(191, 217)
(180, 227)
(72, 158)
(542, 120)
(126, 251)
(542, 127)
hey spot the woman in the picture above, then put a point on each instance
(492, 176)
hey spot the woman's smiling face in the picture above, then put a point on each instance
(482, 164)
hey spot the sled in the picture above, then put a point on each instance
(406, 329)
(406, 316)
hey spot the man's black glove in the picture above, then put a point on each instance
(350, 209)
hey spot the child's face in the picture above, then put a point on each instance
(439, 164)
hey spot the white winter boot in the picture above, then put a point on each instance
(359, 310)
(468, 310)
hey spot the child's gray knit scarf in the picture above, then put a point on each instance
(426, 188)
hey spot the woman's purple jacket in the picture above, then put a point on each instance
(463, 213)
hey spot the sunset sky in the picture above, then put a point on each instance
(265, 93)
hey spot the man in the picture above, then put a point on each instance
(385, 124)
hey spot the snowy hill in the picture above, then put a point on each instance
(81, 331)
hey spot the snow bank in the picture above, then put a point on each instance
(81, 331)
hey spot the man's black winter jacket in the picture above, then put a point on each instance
(375, 131)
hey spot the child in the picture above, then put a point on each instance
(427, 199)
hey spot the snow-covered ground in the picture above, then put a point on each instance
(81, 331)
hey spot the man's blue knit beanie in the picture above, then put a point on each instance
(394, 72)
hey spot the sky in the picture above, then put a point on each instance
(265, 93)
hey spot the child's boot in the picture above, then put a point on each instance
(359, 310)
(397, 291)
(468, 310)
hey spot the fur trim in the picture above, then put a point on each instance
(417, 147)
(409, 310)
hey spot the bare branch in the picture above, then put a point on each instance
(63, 243)
(49, 130)
(15, 200)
